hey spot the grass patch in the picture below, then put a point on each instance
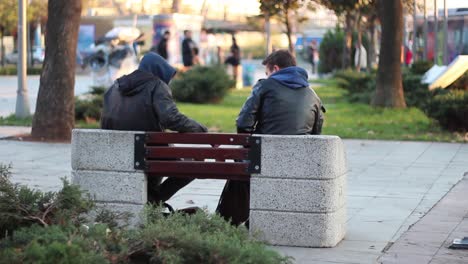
(363, 121)
(218, 117)
(344, 119)
(11, 120)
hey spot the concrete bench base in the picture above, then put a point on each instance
(298, 199)
(299, 229)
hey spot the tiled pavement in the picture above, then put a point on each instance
(391, 185)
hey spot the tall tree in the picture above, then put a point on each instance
(346, 9)
(282, 10)
(54, 117)
(389, 90)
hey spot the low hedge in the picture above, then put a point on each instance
(421, 67)
(50, 227)
(360, 85)
(89, 106)
(202, 84)
(13, 70)
(450, 108)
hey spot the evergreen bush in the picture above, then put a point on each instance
(421, 67)
(331, 51)
(450, 108)
(360, 85)
(416, 93)
(201, 84)
(50, 227)
(89, 106)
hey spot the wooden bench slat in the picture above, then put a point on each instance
(197, 138)
(195, 168)
(204, 176)
(196, 153)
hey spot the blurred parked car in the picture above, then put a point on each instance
(38, 56)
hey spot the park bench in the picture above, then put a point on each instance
(157, 155)
(297, 183)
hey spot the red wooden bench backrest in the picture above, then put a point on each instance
(155, 154)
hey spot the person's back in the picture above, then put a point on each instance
(128, 103)
(142, 101)
(283, 104)
(289, 106)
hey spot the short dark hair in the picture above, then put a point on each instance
(282, 58)
(167, 32)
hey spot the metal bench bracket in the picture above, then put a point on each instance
(255, 155)
(139, 157)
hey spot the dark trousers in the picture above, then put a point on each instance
(234, 202)
(161, 192)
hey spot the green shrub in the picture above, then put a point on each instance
(421, 67)
(450, 108)
(416, 93)
(201, 85)
(49, 228)
(12, 70)
(461, 83)
(90, 107)
(360, 85)
(21, 206)
(59, 244)
(331, 51)
(199, 238)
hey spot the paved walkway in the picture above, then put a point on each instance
(391, 185)
(428, 240)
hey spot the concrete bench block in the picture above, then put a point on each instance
(107, 186)
(109, 150)
(314, 157)
(293, 195)
(298, 229)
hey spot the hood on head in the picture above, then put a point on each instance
(132, 84)
(158, 66)
(293, 77)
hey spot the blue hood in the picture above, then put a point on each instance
(158, 66)
(293, 77)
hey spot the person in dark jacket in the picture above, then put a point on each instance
(161, 49)
(187, 49)
(142, 101)
(234, 58)
(282, 104)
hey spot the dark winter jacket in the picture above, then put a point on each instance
(142, 101)
(162, 48)
(187, 51)
(283, 104)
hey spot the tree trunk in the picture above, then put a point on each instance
(268, 34)
(55, 108)
(175, 6)
(371, 53)
(287, 23)
(2, 46)
(359, 43)
(348, 40)
(389, 90)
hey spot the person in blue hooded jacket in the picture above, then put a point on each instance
(282, 104)
(142, 101)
